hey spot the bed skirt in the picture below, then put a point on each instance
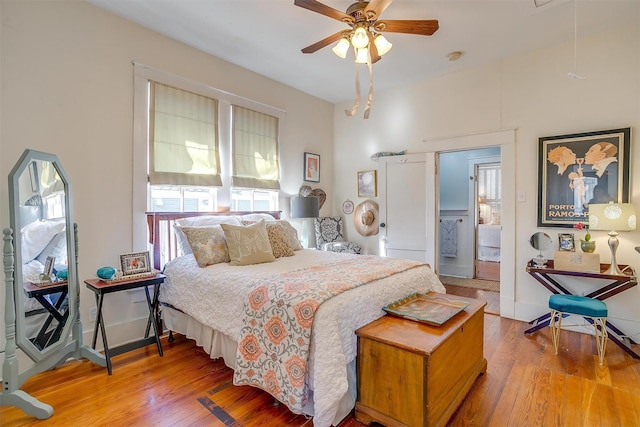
(217, 344)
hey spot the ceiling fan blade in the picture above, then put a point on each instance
(377, 7)
(409, 26)
(322, 43)
(323, 9)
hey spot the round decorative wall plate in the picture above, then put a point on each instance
(347, 207)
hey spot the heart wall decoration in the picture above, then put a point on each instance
(306, 191)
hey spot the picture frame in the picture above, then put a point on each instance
(311, 167)
(33, 177)
(577, 169)
(135, 263)
(566, 242)
(368, 183)
(48, 266)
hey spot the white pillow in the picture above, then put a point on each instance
(37, 235)
(258, 217)
(199, 221)
(57, 248)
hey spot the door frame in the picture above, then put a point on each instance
(506, 139)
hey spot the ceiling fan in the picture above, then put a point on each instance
(366, 29)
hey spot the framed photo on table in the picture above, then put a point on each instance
(577, 169)
(566, 242)
(135, 263)
(311, 167)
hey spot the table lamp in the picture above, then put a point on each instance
(305, 207)
(613, 217)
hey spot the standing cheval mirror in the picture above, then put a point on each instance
(42, 316)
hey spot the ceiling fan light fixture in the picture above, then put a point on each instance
(362, 55)
(360, 38)
(382, 44)
(341, 48)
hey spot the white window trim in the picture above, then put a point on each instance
(142, 74)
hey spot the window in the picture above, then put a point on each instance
(489, 193)
(197, 148)
(175, 198)
(253, 200)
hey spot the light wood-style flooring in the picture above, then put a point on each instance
(526, 384)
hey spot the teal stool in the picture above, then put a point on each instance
(589, 308)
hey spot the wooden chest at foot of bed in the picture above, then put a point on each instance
(415, 374)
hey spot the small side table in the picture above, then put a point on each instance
(615, 285)
(59, 310)
(100, 288)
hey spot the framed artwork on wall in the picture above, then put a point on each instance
(577, 169)
(367, 184)
(311, 167)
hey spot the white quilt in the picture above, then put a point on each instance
(215, 297)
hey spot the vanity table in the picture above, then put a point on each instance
(615, 284)
(59, 310)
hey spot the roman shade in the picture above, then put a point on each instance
(183, 138)
(255, 149)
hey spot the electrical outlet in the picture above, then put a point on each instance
(93, 313)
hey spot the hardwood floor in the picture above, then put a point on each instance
(526, 384)
(492, 298)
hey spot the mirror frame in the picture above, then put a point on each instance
(541, 234)
(23, 166)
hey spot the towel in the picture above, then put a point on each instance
(449, 238)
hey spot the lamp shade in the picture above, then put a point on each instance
(362, 55)
(382, 44)
(360, 38)
(341, 48)
(305, 207)
(612, 216)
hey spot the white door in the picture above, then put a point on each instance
(403, 207)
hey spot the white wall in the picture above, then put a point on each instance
(67, 88)
(530, 93)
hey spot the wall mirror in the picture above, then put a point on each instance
(40, 259)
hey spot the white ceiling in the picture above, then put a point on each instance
(266, 36)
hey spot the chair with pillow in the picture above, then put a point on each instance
(330, 236)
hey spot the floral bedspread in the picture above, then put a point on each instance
(273, 347)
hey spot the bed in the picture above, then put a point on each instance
(489, 242)
(196, 302)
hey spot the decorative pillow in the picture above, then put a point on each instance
(199, 221)
(292, 235)
(277, 238)
(207, 244)
(248, 245)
